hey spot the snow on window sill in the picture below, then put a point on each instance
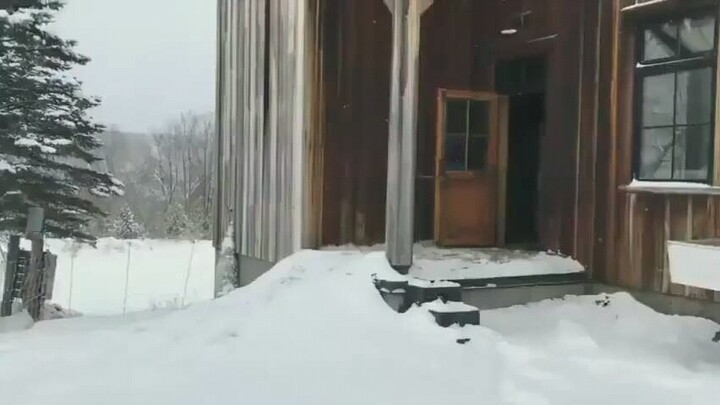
(670, 187)
(645, 4)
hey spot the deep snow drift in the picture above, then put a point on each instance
(314, 331)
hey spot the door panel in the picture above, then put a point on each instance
(466, 173)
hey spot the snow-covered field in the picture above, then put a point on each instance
(315, 331)
(93, 280)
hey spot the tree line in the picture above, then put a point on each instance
(168, 177)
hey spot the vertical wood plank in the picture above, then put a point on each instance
(666, 237)
(503, 121)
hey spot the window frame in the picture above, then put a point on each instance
(467, 100)
(675, 64)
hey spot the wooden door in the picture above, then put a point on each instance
(469, 170)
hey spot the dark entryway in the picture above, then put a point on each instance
(523, 81)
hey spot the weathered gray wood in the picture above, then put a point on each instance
(48, 284)
(218, 221)
(10, 268)
(262, 180)
(32, 287)
(402, 139)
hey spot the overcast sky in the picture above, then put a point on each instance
(151, 59)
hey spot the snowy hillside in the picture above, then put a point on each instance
(314, 331)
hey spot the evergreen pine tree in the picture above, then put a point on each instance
(177, 222)
(126, 227)
(47, 139)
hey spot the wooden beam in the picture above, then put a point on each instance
(503, 133)
(402, 139)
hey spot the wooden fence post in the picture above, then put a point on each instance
(10, 274)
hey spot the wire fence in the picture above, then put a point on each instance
(121, 276)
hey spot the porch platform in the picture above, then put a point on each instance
(491, 267)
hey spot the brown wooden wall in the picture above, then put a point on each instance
(460, 45)
(357, 89)
(651, 220)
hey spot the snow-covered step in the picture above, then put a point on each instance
(422, 291)
(451, 313)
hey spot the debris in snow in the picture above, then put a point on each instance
(54, 311)
(604, 301)
(463, 341)
(716, 339)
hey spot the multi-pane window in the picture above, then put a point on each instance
(467, 131)
(676, 99)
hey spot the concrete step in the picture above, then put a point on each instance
(423, 291)
(448, 313)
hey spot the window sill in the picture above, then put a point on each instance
(655, 7)
(670, 188)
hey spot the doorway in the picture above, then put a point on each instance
(466, 171)
(523, 81)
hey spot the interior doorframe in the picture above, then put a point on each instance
(501, 114)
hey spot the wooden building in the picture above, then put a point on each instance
(518, 123)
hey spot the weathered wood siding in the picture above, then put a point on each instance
(634, 227)
(649, 221)
(356, 68)
(265, 84)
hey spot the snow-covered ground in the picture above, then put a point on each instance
(315, 331)
(92, 280)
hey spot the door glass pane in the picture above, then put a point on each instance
(658, 96)
(656, 154)
(477, 152)
(694, 96)
(479, 117)
(660, 42)
(456, 117)
(455, 152)
(697, 34)
(692, 152)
